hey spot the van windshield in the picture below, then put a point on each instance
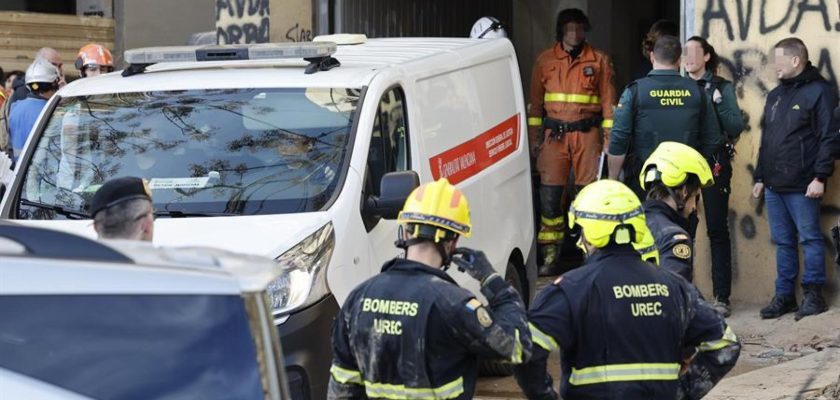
(203, 152)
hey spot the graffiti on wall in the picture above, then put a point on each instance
(242, 21)
(298, 33)
(743, 33)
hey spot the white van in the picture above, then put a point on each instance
(255, 150)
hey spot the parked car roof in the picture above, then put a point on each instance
(29, 269)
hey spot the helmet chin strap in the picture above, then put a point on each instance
(680, 203)
(445, 258)
(404, 244)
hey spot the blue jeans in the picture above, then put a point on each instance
(789, 214)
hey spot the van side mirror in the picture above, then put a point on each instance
(394, 188)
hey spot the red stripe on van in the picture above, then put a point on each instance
(471, 157)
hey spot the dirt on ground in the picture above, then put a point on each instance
(765, 343)
(829, 393)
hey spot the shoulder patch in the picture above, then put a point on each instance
(682, 251)
(588, 71)
(473, 304)
(681, 236)
(483, 317)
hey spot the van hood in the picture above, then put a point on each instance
(264, 235)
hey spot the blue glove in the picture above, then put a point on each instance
(474, 263)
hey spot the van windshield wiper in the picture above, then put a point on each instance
(186, 214)
(70, 214)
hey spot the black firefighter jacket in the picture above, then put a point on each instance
(625, 328)
(412, 332)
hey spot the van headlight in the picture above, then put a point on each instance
(304, 278)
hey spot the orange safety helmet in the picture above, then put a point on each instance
(94, 54)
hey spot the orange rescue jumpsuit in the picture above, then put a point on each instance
(570, 90)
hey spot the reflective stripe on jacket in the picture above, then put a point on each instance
(570, 89)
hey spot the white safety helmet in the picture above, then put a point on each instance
(487, 28)
(41, 74)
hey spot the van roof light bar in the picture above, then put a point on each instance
(318, 54)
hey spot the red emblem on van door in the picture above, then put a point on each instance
(473, 156)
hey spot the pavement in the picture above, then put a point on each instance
(802, 378)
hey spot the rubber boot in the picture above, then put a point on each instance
(552, 228)
(551, 257)
(780, 305)
(813, 302)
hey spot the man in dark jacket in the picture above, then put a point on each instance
(794, 162)
(411, 332)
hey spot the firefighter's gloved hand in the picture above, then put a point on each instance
(474, 263)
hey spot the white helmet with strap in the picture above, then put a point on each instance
(42, 74)
(487, 28)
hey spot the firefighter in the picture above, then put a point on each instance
(571, 97)
(94, 59)
(673, 176)
(411, 332)
(626, 329)
(663, 106)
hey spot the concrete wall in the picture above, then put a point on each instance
(142, 23)
(743, 32)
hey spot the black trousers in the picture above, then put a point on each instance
(716, 207)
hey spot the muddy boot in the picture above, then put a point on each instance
(551, 259)
(813, 302)
(780, 305)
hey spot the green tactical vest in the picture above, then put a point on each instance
(668, 109)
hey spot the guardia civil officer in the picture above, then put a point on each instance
(663, 106)
(626, 329)
(411, 332)
(122, 209)
(672, 177)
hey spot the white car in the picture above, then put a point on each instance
(303, 153)
(123, 320)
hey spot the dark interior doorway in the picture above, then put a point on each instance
(416, 18)
(629, 23)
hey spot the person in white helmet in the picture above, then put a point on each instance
(487, 28)
(42, 80)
